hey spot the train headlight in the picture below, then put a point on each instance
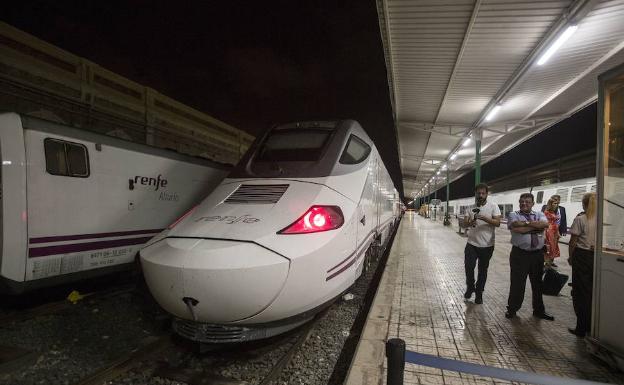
(316, 219)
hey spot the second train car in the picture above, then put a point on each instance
(75, 204)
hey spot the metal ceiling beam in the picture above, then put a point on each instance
(460, 55)
(421, 157)
(454, 130)
(546, 122)
(573, 14)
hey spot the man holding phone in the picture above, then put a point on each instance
(482, 221)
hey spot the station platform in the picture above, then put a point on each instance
(420, 300)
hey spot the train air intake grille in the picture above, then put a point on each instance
(257, 193)
(203, 332)
(219, 334)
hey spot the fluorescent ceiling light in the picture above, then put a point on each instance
(492, 113)
(444, 166)
(438, 173)
(558, 43)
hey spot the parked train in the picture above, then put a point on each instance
(571, 193)
(289, 230)
(75, 204)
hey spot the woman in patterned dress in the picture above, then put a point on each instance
(552, 233)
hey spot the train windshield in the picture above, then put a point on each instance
(292, 145)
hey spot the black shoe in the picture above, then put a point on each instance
(577, 333)
(543, 315)
(510, 314)
(468, 293)
(479, 298)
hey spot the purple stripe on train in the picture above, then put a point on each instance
(76, 247)
(89, 236)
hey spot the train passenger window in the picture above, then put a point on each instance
(577, 193)
(66, 158)
(563, 193)
(294, 145)
(355, 151)
(540, 197)
(508, 209)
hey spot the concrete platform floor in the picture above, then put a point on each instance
(420, 299)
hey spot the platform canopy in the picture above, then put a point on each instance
(451, 63)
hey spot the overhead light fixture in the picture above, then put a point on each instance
(492, 113)
(438, 173)
(444, 166)
(466, 142)
(453, 156)
(558, 43)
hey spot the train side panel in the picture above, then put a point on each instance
(103, 217)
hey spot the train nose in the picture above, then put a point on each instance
(213, 281)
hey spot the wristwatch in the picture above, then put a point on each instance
(526, 223)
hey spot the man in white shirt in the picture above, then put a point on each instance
(482, 221)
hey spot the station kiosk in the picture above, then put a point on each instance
(607, 338)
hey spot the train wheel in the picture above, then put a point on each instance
(376, 249)
(368, 261)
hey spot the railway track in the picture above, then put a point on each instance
(148, 361)
(58, 306)
(161, 358)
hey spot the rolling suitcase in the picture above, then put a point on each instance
(553, 282)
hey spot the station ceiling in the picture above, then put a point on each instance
(451, 62)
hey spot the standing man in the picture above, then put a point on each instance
(526, 258)
(483, 220)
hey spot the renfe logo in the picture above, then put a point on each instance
(147, 181)
(229, 219)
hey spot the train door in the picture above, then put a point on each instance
(378, 196)
(367, 207)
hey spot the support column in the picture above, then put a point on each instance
(429, 201)
(447, 216)
(477, 157)
(435, 196)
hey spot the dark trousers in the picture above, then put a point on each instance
(523, 263)
(472, 254)
(582, 285)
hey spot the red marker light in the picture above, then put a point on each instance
(186, 214)
(316, 219)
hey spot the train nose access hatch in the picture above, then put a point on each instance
(228, 280)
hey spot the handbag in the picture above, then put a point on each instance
(553, 282)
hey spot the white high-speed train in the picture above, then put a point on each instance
(76, 204)
(284, 235)
(571, 193)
